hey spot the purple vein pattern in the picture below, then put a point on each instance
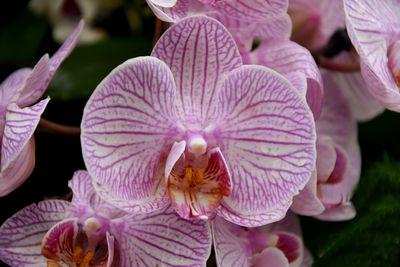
(253, 115)
(20, 113)
(267, 139)
(373, 28)
(130, 240)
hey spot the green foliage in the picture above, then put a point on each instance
(79, 75)
(21, 37)
(371, 239)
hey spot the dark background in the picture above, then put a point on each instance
(372, 239)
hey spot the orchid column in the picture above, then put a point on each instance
(194, 127)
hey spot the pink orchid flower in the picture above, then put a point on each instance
(89, 232)
(373, 27)
(20, 113)
(314, 23)
(191, 125)
(274, 245)
(327, 194)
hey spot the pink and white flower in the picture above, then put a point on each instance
(373, 28)
(90, 232)
(314, 23)
(274, 245)
(20, 113)
(327, 195)
(193, 126)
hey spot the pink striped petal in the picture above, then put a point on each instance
(267, 136)
(19, 127)
(307, 202)
(232, 247)
(21, 235)
(19, 170)
(64, 51)
(11, 86)
(163, 238)
(128, 125)
(58, 243)
(251, 10)
(85, 200)
(35, 83)
(199, 52)
(372, 26)
(297, 65)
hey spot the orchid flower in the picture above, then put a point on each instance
(89, 232)
(20, 114)
(373, 29)
(314, 23)
(191, 125)
(327, 194)
(274, 245)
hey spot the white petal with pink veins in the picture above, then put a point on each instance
(128, 126)
(19, 127)
(21, 235)
(164, 3)
(267, 135)
(199, 52)
(372, 26)
(19, 170)
(12, 85)
(297, 65)
(162, 238)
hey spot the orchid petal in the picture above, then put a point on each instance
(85, 197)
(252, 10)
(267, 136)
(232, 248)
(176, 152)
(162, 238)
(307, 203)
(197, 192)
(35, 83)
(127, 126)
(21, 235)
(371, 26)
(199, 52)
(164, 3)
(295, 63)
(271, 256)
(326, 158)
(64, 51)
(12, 85)
(342, 213)
(58, 243)
(19, 170)
(112, 256)
(363, 105)
(19, 127)
(253, 220)
(173, 14)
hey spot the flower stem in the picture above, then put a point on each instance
(53, 127)
(158, 29)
